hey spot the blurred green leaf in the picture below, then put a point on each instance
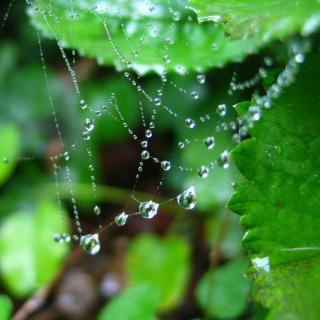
(9, 149)
(230, 246)
(164, 263)
(143, 33)
(5, 307)
(29, 257)
(263, 20)
(223, 293)
(135, 303)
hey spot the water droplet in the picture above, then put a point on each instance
(224, 159)
(214, 46)
(148, 133)
(190, 123)
(90, 243)
(299, 58)
(166, 165)
(151, 125)
(144, 143)
(187, 199)
(180, 145)
(97, 210)
(236, 138)
(201, 78)
(195, 95)
(89, 125)
(148, 209)
(254, 113)
(86, 135)
(209, 142)
(145, 155)
(83, 105)
(222, 110)
(166, 59)
(203, 172)
(157, 101)
(121, 219)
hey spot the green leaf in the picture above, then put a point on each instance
(9, 150)
(5, 307)
(223, 293)
(164, 263)
(29, 257)
(135, 303)
(263, 20)
(279, 199)
(141, 35)
(230, 245)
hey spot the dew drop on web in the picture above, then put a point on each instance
(90, 243)
(148, 209)
(187, 199)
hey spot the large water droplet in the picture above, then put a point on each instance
(166, 165)
(90, 243)
(209, 142)
(148, 209)
(187, 199)
(121, 219)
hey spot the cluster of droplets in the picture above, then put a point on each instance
(187, 199)
(285, 78)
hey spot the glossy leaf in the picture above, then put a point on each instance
(261, 21)
(150, 36)
(278, 199)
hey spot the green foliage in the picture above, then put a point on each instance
(279, 202)
(9, 150)
(5, 307)
(29, 258)
(227, 222)
(262, 21)
(135, 303)
(164, 263)
(223, 293)
(89, 21)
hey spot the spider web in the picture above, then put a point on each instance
(207, 131)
